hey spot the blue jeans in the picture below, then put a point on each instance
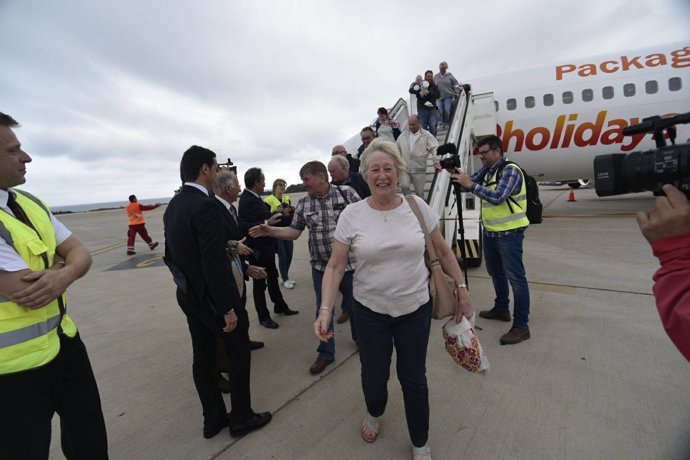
(378, 334)
(444, 107)
(428, 119)
(327, 350)
(503, 256)
(285, 248)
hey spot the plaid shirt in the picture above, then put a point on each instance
(320, 214)
(509, 184)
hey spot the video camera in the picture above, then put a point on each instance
(453, 161)
(619, 173)
(230, 166)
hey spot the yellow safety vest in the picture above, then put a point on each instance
(499, 217)
(275, 203)
(29, 338)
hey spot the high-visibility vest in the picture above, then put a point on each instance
(500, 217)
(135, 214)
(29, 338)
(275, 203)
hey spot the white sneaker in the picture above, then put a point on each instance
(421, 453)
(289, 284)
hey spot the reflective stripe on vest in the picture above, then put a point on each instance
(499, 217)
(29, 337)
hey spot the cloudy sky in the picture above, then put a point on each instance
(110, 93)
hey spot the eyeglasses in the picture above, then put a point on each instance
(367, 138)
(340, 152)
(482, 152)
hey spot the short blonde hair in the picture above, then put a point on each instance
(387, 147)
(278, 182)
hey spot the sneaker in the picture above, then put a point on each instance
(495, 313)
(154, 246)
(514, 335)
(421, 453)
(130, 253)
(289, 284)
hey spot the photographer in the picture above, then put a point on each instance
(667, 228)
(504, 232)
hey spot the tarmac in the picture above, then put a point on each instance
(599, 378)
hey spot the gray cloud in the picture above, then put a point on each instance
(111, 93)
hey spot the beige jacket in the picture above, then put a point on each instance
(416, 160)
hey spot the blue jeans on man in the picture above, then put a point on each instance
(503, 256)
(326, 350)
(428, 119)
(444, 107)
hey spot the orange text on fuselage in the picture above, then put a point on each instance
(678, 60)
(568, 132)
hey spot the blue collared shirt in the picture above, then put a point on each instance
(509, 184)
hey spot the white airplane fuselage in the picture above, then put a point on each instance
(554, 120)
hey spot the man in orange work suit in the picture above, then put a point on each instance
(135, 213)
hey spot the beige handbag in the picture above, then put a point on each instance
(443, 289)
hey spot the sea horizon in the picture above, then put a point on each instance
(68, 208)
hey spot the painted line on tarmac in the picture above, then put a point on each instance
(107, 249)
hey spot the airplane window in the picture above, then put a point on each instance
(511, 104)
(629, 89)
(567, 97)
(529, 102)
(587, 95)
(548, 100)
(651, 87)
(607, 92)
(496, 105)
(674, 84)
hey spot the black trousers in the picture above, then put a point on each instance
(267, 259)
(204, 333)
(29, 399)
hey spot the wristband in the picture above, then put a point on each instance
(462, 286)
(328, 309)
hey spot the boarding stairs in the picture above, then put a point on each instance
(472, 117)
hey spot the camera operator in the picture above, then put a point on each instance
(667, 228)
(504, 231)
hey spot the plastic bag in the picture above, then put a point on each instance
(463, 345)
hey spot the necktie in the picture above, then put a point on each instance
(16, 209)
(233, 212)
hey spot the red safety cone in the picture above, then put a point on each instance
(571, 197)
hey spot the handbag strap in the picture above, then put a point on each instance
(417, 212)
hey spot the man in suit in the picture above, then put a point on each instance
(227, 189)
(196, 236)
(253, 211)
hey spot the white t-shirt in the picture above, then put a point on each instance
(9, 258)
(390, 276)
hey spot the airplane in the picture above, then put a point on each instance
(555, 119)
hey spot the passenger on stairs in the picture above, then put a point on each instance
(368, 134)
(449, 87)
(416, 145)
(386, 128)
(353, 162)
(427, 94)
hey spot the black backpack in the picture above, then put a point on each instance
(534, 207)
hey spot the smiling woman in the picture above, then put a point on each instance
(392, 307)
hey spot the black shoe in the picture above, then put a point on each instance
(269, 323)
(211, 431)
(495, 313)
(284, 311)
(154, 246)
(130, 253)
(254, 422)
(256, 345)
(223, 384)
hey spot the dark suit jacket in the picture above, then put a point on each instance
(196, 234)
(253, 211)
